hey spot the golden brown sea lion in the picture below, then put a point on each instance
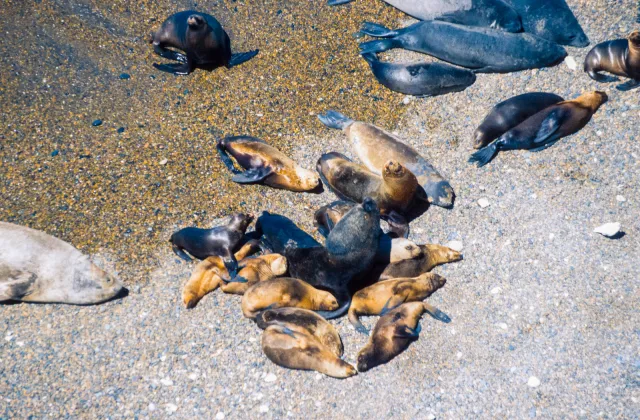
(393, 333)
(264, 163)
(376, 298)
(254, 270)
(297, 350)
(620, 57)
(286, 292)
(303, 320)
(432, 256)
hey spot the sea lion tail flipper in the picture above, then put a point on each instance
(241, 58)
(377, 46)
(406, 332)
(373, 29)
(334, 119)
(436, 313)
(224, 156)
(484, 155)
(253, 175)
(599, 77)
(231, 264)
(355, 321)
(180, 253)
(370, 57)
(631, 84)
(338, 2)
(337, 313)
(181, 69)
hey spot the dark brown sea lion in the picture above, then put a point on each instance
(620, 57)
(508, 114)
(393, 333)
(254, 270)
(545, 128)
(374, 299)
(303, 320)
(264, 163)
(432, 256)
(203, 40)
(297, 350)
(218, 241)
(286, 292)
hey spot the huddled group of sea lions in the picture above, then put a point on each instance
(289, 282)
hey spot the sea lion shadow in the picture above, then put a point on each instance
(417, 209)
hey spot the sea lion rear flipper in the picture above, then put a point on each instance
(238, 279)
(373, 29)
(337, 2)
(398, 224)
(180, 253)
(231, 264)
(631, 84)
(377, 46)
(169, 54)
(224, 156)
(181, 69)
(484, 155)
(599, 77)
(252, 175)
(407, 332)
(16, 284)
(436, 313)
(241, 58)
(333, 119)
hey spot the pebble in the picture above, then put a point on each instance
(55, 153)
(571, 63)
(455, 245)
(264, 408)
(270, 378)
(483, 203)
(96, 123)
(171, 408)
(220, 415)
(496, 290)
(163, 161)
(166, 382)
(431, 417)
(533, 382)
(621, 198)
(406, 100)
(120, 130)
(125, 76)
(608, 229)
(503, 325)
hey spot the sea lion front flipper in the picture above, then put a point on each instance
(169, 54)
(392, 303)
(398, 224)
(180, 253)
(334, 119)
(231, 264)
(603, 78)
(181, 69)
(338, 2)
(548, 128)
(15, 284)
(631, 84)
(241, 58)
(252, 175)
(436, 313)
(238, 279)
(407, 332)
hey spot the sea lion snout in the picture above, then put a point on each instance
(394, 168)
(634, 37)
(195, 21)
(369, 205)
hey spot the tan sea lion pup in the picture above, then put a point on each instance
(378, 297)
(254, 270)
(286, 292)
(297, 350)
(432, 256)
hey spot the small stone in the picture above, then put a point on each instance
(166, 382)
(163, 161)
(193, 376)
(171, 408)
(455, 245)
(54, 153)
(571, 63)
(496, 290)
(608, 229)
(503, 325)
(483, 203)
(431, 417)
(406, 100)
(125, 76)
(151, 407)
(120, 130)
(96, 123)
(459, 355)
(264, 408)
(599, 133)
(270, 378)
(620, 198)
(220, 415)
(533, 382)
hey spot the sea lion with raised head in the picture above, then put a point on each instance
(545, 128)
(507, 114)
(374, 147)
(484, 50)
(266, 164)
(432, 256)
(489, 13)
(420, 79)
(374, 299)
(299, 350)
(203, 40)
(620, 57)
(393, 333)
(37, 267)
(254, 270)
(303, 320)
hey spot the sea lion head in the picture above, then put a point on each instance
(509, 20)
(368, 358)
(593, 99)
(634, 39)
(479, 139)
(436, 280)
(308, 179)
(240, 221)
(196, 22)
(91, 284)
(329, 303)
(394, 169)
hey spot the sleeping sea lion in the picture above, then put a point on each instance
(218, 241)
(620, 57)
(552, 20)
(303, 320)
(209, 274)
(507, 114)
(489, 13)
(254, 270)
(432, 256)
(297, 350)
(420, 79)
(374, 147)
(263, 163)
(393, 333)
(36, 267)
(374, 299)
(484, 50)
(203, 40)
(544, 129)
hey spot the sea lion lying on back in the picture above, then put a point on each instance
(544, 129)
(620, 57)
(36, 267)
(203, 40)
(264, 163)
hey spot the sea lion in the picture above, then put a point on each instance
(484, 50)
(489, 13)
(286, 292)
(420, 79)
(203, 40)
(303, 320)
(545, 128)
(507, 114)
(266, 164)
(348, 254)
(393, 333)
(432, 256)
(374, 299)
(552, 20)
(254, 270)
(37, 267)
(297, 350)
(209, 274)
(620, 57)
(218, 241)
(375, 146)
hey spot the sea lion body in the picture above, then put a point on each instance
(432, 256)
(264, 163)
(552, 20)
(299, 350)
(37, 267)
(420, 79)
(484, 50)
(545, 128)
(286, 292)
(374, 147)
(203, 40)
(374, 299)
(620, 57)
(303, 320)
(254, 270)
(508, 114)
